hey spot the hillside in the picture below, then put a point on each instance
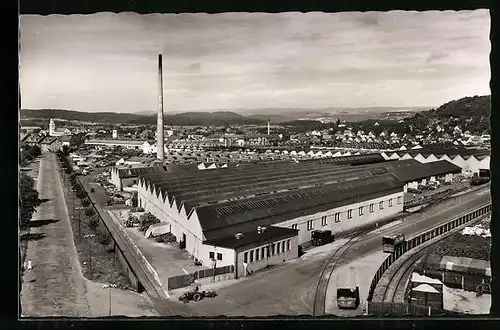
(476, 106)
(183, 119)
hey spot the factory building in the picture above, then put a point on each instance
(216, 215)
(474, 161)
(410, 171)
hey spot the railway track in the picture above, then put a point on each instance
(326, 273)
(394, 291)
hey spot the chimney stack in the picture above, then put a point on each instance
(268, 127)
(159, 144)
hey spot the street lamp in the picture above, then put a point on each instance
(109, 286)
(90, 249)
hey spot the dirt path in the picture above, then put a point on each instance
(54, 286)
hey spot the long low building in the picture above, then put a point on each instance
(216, 214)
(471, 160)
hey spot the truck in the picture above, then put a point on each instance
(348, 290)
(320, 237)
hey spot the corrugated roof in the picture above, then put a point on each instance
(253, 238)
(123, 142)
(281, 206)
(412, 170)
(136, 171)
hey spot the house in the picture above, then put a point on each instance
(53, 131)
(50, 143)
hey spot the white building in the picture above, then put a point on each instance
(208, 210)
(53, 131)
(147, 147)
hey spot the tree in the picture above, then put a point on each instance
(65, 150)
(85, 202)
(35, 151)
(28, 201)
(81, 194)
(77, 139)
(89, 212)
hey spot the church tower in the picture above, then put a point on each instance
(52, 127)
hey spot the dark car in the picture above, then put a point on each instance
(320, 237)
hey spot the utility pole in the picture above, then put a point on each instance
(89, 236)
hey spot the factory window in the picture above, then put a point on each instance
(273, 249)
(294, 226)
(219, 256)
(211, 255)
(390, 202)
(360, 210)
(371, 207)
(278, 248)
(399, 200)
(337, 217)
(257, 254)
(263, 252)
(283, 246)
(245, 257)
(309, 224)
(349, 214)
(251, 256)
(288, 245)
(381, 205)
(323, 220)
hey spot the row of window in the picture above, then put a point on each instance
(324, 221)
(267, 251)
(211, 255)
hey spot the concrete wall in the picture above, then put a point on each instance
(115, 179)
(158, 204)
(342, 223)
(263, 261)
(228, 255)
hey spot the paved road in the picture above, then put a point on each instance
(289, 289)
(55, 285)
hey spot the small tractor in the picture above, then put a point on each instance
(196, 295)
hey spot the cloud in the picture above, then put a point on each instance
(195, 67)
(436, 56)
(107, 62)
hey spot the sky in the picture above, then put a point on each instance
(108, 62)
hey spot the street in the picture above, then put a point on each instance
(55, 285)
(289, 288)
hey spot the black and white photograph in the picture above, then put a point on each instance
(255, 164)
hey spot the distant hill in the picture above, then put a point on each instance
(182, 119)
(476, 106)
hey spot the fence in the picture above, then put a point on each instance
(422, 238)
(433, 198)
(398, 309)
(181, 281)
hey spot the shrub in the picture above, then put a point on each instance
(85, 202)
(92, 190)
(89, 212)
(81, 194)
(93, 224)
(105, 239)
(147, 220)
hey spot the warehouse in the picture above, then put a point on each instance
(410, 171)
(469, 160)
(216, 207)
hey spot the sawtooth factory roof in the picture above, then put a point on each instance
(240, 198)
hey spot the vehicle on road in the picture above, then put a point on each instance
(197, 295)
(348, 291)
(320, 237)
(479, 180)
(390, 243)
(348, 298)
